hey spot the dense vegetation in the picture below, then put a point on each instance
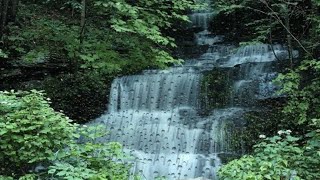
(293, 153)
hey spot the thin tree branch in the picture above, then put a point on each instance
(274, 14)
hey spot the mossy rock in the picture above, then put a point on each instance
(216, 89)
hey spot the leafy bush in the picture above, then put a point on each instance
(25, 177)
(91, 159)
(30, 130)
(32, 133)
(302, 86)
(5, 178)
(278, 157)
(52, 37)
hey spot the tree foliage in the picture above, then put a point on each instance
(90, 159)
(108, 30)
(285, 21)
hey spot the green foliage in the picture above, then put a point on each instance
(278, 157)
(131, 39)
(302, 86)
(30, 129)
(266, 121)
(28, 177)
(312, 150)
(145, 17)
(41, 35)
(264, 21)
(5, 177)
(3, 54)
(118, 52)
(90, 159)
(31, 133)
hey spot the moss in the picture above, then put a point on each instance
(81, 96)
(215, 90)
(263, 122)
(227, 157)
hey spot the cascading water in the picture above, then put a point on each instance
(201, 18)
(155, 115)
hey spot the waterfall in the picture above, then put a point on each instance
(201, 17)
(155, 115)
(159, 91)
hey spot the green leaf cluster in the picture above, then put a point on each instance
(302, 86)
(90, 159)
(145, 17)
(30, 130)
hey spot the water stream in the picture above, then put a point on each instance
(156, 115)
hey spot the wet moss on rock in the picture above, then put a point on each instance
(216, 89)
(82, 96)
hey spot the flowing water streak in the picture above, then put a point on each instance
(202, 16)
(154, 116)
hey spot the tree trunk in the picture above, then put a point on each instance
(1, 14)
(83, 20)
(314, 25)
(13, 10)
(289, 37)
(4, 14)
(74, 61)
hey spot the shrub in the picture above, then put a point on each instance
(30, 130)
(90, 159)
(278, 157)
